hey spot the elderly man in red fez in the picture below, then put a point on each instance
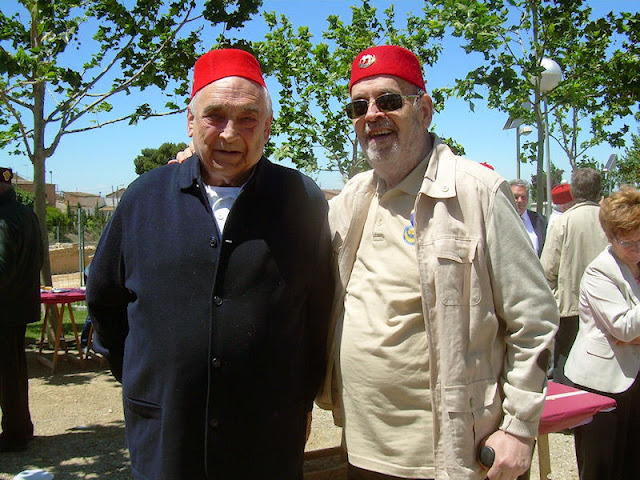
(211, 291)
(444, 320)
(20, 263)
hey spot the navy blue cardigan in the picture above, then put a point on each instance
(219, 340)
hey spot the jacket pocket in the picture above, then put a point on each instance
(144, 435)
(455, 272)
(472, 412)
(599, 348)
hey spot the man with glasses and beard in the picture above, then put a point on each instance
(443, 318)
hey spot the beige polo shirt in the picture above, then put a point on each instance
(383, 351)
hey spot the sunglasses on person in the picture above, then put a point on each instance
(387, 102)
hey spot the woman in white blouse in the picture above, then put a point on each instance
(605, 357)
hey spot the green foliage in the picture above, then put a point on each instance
(56, 218)
(313, 77)
(62, 62)
(598, 56)
(628, 171)
(151, 158)
(556, 179)
(24, 197)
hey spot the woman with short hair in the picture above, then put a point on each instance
(605, 357)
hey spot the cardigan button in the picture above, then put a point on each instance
(213, 423)
(217, 300)
(213, 242)
(216, 362)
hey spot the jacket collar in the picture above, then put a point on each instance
(439, 179)
(191, 177)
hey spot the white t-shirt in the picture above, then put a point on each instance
(221, 200)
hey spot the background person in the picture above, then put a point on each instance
(534, 223)
(210, 293)
(443, 322)
(20, 264)
(605, 358)
(575, 239)
(562, 201)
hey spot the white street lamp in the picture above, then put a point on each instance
(549, 79)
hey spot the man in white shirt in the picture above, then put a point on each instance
(535, 223)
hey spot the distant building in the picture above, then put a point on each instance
(112, 200)
(88, 202)
(28, 186)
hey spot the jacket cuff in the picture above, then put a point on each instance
(519, 428)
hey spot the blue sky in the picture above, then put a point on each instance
(101, 161)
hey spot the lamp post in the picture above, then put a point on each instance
(549, 79)
(520, 130)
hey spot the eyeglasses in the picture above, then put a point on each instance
(628, 243)
(387, 102)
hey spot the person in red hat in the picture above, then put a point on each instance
(562, 201)
(443, 320)
(20, 263)
(573, 241)
(210, 294)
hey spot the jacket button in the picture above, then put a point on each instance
(213, 423)
(216, 363)
(213, 242)
(217, 300)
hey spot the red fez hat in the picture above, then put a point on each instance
(6, 174)
(387, 60)
(226, 62)
(561, 194)
(488, 165)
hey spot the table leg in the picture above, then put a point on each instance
(56, 346)
(44, 326)
(544, 459)
(75, 333)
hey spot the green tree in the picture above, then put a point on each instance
(628, 168)
(63, 62)
(513, 36)
(313, 79)
(151, 158)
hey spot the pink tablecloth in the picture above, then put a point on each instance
(567, 407)
(67, 295)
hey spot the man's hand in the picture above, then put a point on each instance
(513, 455)
(183, 155)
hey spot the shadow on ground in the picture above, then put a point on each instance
(69, 369)
(92, 452)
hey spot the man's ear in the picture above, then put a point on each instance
(190, 120)
(267, 128)
(427, 108)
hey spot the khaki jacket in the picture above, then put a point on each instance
(490, 317)
(573, 241)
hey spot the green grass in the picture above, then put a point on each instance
(79, 314)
